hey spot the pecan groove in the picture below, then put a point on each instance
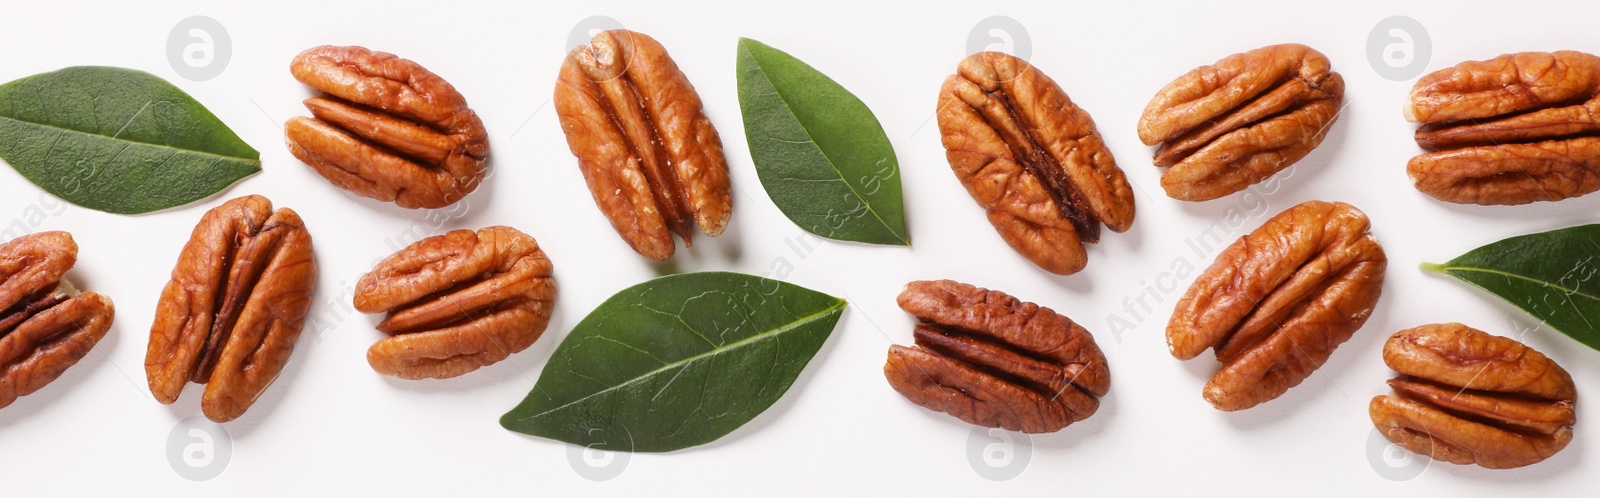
(651, 158)
(1467, 397)
(1032, 160)
(1224, 127)
(235, 305)
(1276, 303)
(457, 302)
(46, 326)
(386, 128)
(1515, 129)
(992, 360)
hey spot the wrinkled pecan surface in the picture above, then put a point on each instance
(1227, 126)
(1278, 301)
(231, 314)
(46, 326)
(457, 302)
(995, 361)
(1464, 396)
(386, 128)
(650, 156)
(1032, 160)
(1515, 129)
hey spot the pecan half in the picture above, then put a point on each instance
(1229, 125)
(1465, 397)
(651, 158)
(1515, 129)
(995, 361)
(386, 128)
(457, 302)
(231, 314)
(46, 326)
(1032, 159)
(1278, 301)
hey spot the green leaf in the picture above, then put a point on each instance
(1550, 275)
(118, 140)
(676, 362)
(820, 153)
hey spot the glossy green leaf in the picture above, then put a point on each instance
(118, 140)
(1550, 275)
(820, 153)
(676, 362)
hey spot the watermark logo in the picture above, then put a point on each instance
(599, 465)
(998, 454)
(198, 48)
(1392, 461)
(199, 449)
(586, 29)
(1000, 34)
(1399, 48)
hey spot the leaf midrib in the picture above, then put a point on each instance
(130, 141)
(711, 353)
(813, 141)
(1507, 274)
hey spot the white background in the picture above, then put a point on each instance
(331, 425)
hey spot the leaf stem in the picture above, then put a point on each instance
(1432, 267)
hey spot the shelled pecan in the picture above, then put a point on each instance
(995, 361)
(1032, 160)
(652, 160)
(1278, 301)
(1466, 397)
(457, 302)
(1229, 125)
(46, 325)
(1515, 129)
(386, 128)
(235, 305)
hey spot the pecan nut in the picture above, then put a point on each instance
(1278, 301)
(1032, 160)
(1464, 396)
(235, 305)
(46, 326)
(995, 361)
(1515, 129)
(652, 160)
(457, 302)
(1229, 125)
(386, 128)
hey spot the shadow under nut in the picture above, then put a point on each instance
(1032, 160)
(651, 158)
(1224, 127)
(457, 302)
(234, 308)
(1277, 302)
(46, 327)
(387, 128)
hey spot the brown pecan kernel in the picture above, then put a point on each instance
(46, 326)
(1278, 301)
(995, 361)
(457, 302)
(1032, 160)
(1515, 129)
(1229, 125)
(235, 305)
(651, 158)
(1465, 397)
(386, 128)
